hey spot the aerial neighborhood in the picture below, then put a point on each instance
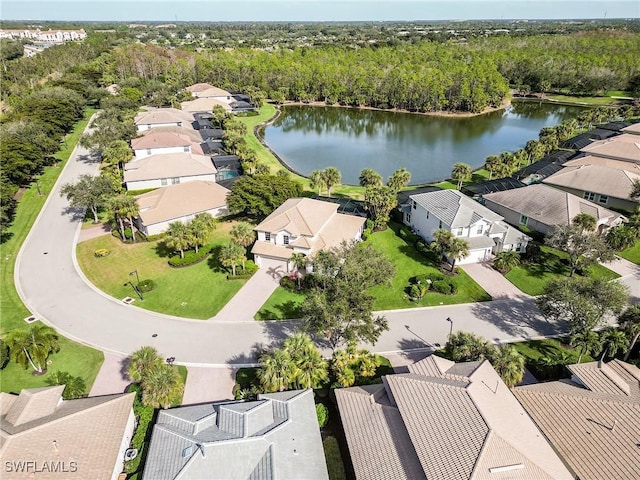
(184, 299)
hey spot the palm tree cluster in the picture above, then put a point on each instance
(325, 179)
(74, 387)
(235, 251)
(446, 244)
(626, 235)
(124, 208)
(162, 385)
(194, 234)
(33, 346)
(380, 199)
(353, 365)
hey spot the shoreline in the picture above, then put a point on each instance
(441, 113)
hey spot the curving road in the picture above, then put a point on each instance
(53, 288)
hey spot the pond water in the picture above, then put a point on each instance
(309, 138)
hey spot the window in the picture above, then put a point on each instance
(589, 196)
(603, 199)
(414, 205)
(175, 180)
(285, 239)
(163, 182)
(267, 236)
(186, 149)
(408, 218)
(480, 229)
(523, 219)
(458, 232)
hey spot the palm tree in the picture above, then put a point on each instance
(231, 254)
(179, 237)
(506, 260)
(587, 340)
(33, 346)
(635, 189)
(242, 234)
(277, 371)
(74, 387)
(613, 341)
(629, 321)
(118, 152)
(458, 249)
(162, 386)
(491, 164)
(299, 262)
(585, 222)
(369, 178)
(461, 172)
(201, 227)
(142, 362)
(621, 237)
(125, 207)
(467, 347)
(508, 363)
(311, 370)
(331, 177)
(398, 179)
(316, 179)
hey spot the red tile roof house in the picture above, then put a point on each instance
(444, 421)
(302, 225)
(45, 437)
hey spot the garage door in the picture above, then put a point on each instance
(475, 256)
(273, 266)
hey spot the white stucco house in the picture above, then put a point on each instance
(162, 117)
(167, 140)
(179, 203)
(168, 169)
(302, 225)
(205, 90)
(485, 231)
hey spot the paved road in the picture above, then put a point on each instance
(55, 291)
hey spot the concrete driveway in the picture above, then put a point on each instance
(492, 281)
(246, 303)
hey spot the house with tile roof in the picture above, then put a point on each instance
(43, 436)
(167, 140)
(542, 208)
(162, 117)
(625, 147)
(633, 129)
(179, 203)
(444, 420)
(485, 231)
(606, 186)
(604, 162)
(305, 226)
(275, 437)
(204, 105)
(168, 169)
(592, 420)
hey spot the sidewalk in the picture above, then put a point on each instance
(622, 267)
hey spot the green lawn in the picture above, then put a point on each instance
(552, 349)
(531, 278)
(332, 456)
(73, 357)
(197, 291)
(408, 262)
(632, 254)
(583, 100)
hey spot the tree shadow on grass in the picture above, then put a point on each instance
(546, 262)
(286, 310)
(214, 260)
(517, 318)
(162, 250)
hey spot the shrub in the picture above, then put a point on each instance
(4, 354)
(444, 287)
(102, 252)
(310, 281)
(422, 247)
(366, 233)
(190, 257)
(157, 236)
(323, 414)
(146, 286)
(427, 278)
(288, 283)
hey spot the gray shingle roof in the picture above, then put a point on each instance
(275, 437)
(454, 208)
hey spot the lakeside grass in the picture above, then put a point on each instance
(198, 291)
(75, 358)
(590, 101)
(532, 277)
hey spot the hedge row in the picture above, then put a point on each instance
(190, 257)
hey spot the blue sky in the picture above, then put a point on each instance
(313, 10)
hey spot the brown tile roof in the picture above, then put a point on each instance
(154, 139)
(632, 129)
(177, 201)
(615, 377)
(162, 115)
(604, 162)
(596, 433)
(550, 206)
(299, 216)
(198, 87)
(168, 165)
(459, 426)
(624, 147)
(213, 92)
(271, 250)
(597, 179)
(183, 131)
(87, 431)
(203, 105)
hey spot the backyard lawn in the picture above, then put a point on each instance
(532, 277)
(632, 254)
(77, 359)
(408, 262)
(197, 291)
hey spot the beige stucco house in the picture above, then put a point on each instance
(167, 140)
(162, 117)
(305, 226)
(168, 169)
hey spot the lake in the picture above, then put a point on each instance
(309, 138)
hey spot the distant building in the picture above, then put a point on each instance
(48, 36)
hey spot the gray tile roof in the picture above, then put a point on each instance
(454, 208)
(275, 437)
(462, 422)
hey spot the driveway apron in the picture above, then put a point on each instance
(492, 281)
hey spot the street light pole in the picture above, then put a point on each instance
(451, 328)
(136, 274)
(137, 287)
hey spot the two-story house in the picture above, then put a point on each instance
(161, 140)
(305, 226)
(162, 117)
(485, 231)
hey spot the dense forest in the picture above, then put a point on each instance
(43, 96)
